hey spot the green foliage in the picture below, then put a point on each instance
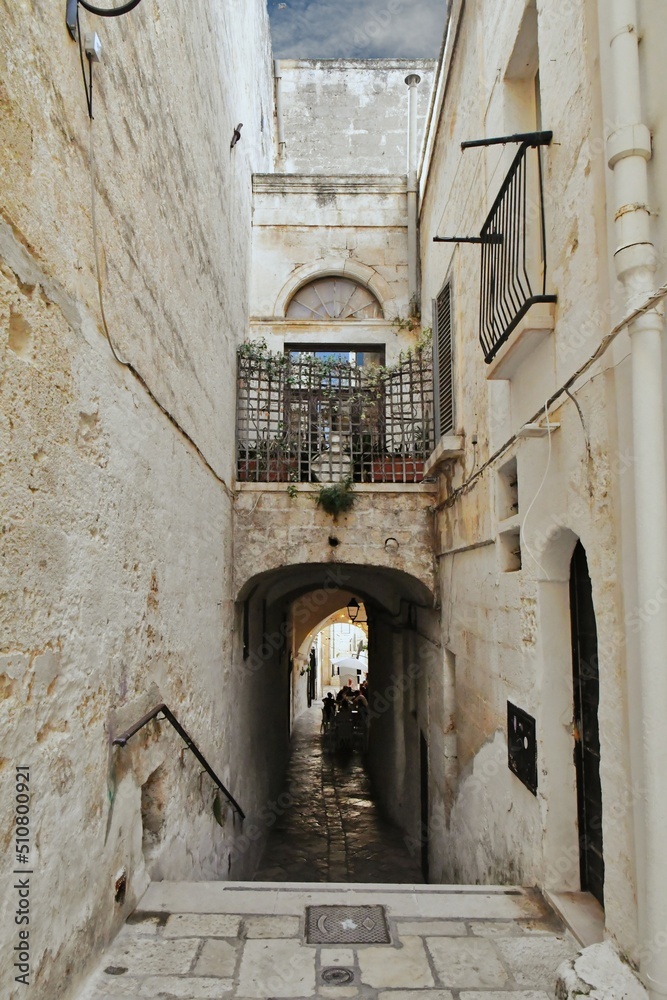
(336, 499)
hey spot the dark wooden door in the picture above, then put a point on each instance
(586, 679)
(423, 756)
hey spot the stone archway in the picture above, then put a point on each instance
(405, 669)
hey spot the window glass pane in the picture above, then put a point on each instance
(334, 298)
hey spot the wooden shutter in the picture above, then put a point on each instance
(443, 363)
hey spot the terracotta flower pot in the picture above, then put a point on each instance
(398, 469)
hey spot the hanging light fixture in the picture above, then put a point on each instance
(353, 610)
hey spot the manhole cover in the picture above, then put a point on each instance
(346, 925)
(337, 976)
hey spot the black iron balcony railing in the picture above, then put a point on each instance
(307, 419)
(513, 241)
(514, 253)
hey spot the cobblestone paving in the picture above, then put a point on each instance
(244, 941)
(332, 830)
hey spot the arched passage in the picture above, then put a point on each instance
(278, 609)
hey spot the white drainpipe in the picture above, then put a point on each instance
(629, 149)
(413, 81)
(278, 76)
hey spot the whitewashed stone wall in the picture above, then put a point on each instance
(346, 116)
(307, 227)
(116, 536)
(506, 635)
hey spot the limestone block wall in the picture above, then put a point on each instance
(346, 116)
(308, 226)
(274, 530)
(506, 631)
(116, 533)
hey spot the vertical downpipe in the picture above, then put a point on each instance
(278, 77)
(629, 149)
(413, 81)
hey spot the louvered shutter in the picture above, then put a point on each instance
(443, 363)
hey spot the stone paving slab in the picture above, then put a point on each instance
(531, 959)
(406, 966)
(467, 963)
(276, 968)
(255, 955)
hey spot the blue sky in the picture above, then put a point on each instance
(356, 29)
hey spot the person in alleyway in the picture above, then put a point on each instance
(344, 726)
(363, 717)
(328, 711)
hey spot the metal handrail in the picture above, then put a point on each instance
(121, 741)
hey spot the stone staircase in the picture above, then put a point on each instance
(259, 940)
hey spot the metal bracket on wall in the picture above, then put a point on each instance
(71, 8)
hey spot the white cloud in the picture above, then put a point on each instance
(356, 29)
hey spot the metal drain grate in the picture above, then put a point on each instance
(337, 976)
(346, 925)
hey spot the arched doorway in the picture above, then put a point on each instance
(586, 686)
(282, 611)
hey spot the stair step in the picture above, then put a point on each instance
(241, 940)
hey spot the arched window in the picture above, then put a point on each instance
(334, 298)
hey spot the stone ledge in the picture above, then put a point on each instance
(537, 325)
(582, 915)
(598, 972)
(449, 446)
(358, 487)
(328, 183)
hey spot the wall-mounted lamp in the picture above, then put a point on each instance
(353, 610)
(72, 7)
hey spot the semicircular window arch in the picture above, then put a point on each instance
(332, 297)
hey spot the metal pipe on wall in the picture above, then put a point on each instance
(629, 149)
(413, 81)
(278, 77)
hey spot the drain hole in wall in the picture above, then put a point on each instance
(115, 970)
(333, 541)
(120, 887)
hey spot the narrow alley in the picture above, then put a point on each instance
(330, 828)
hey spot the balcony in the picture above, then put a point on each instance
(303, 418)
(514, 259)
(514, 255)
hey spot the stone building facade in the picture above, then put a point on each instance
(141, 567)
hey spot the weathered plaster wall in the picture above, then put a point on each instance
(346, 116)
(275, 530)
(307, 226)
(116, 537)
(506, 634)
